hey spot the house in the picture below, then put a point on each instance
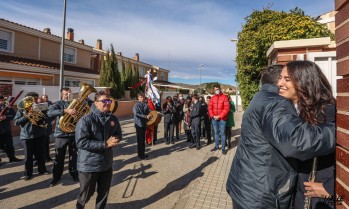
(322, 51)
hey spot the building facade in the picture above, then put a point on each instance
(31, 57)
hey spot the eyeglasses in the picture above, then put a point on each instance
(105, 101)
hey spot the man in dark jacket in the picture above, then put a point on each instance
(6, 141)
(263, 173)
(141, 112)
(96, 134)
(195, 117)
(63, 140)
(33, 138)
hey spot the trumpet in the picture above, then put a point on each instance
(34, 112)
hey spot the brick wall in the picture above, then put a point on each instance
(342, 149)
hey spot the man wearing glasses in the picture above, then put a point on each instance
(63, 140)
(96, 134)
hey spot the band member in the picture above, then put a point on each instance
(63, 140)
(44, 98)
(6, 141)
(195, 117)
(32, 137)
(186, 125)
(96, 134)
(141, 115)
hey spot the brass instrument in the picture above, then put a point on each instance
(307, 200)
(67, 123)
(33, 112)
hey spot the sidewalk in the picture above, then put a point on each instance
(209, 192)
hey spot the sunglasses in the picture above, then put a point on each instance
(105, 101)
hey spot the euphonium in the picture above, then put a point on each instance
(67, 122)
(36, 117)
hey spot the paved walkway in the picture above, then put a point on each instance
(174, 176)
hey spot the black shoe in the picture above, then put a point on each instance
(167, 142)
(54, 182)
(214, 149)
(198, 147)
(224, 152)
(14, 159)
(172, 142)
(192, 146)
(26, 178)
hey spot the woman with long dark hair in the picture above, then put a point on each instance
(304, 83)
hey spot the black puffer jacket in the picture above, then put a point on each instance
(91, 133)
(5, 125)
(325, 172)
(263, 173)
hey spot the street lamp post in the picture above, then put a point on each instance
(200, 68)
(61, 75)
(237, 84)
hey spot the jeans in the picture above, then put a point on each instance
(219, 129)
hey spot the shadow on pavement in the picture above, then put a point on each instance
(171, 187)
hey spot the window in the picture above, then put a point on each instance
(76, 83)
(141, 72)
(69, 55)
(6, 39)
(27, 81)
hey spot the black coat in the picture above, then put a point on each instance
(325, 172)
(170, 113)
(28, 131)
(5, 125)
(195, 114)
(264, 170)
(56, 110)
(91, 133)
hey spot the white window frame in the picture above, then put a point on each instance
(88, 81)
(75, 57)
(12, 41)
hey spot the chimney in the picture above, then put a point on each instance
(81, 41)
(99, 44)
(119, 53)
(70, 34)
(47, 31)
(136, 57)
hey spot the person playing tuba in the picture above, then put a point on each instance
(32, 134)
(65, 112)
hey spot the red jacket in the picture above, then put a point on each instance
(219, 106)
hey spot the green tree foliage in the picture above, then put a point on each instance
(135, 80)
(110, 75)
(261, 29)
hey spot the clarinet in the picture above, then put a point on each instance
(11, 103)
(307, 200)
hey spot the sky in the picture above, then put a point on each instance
(178, 35)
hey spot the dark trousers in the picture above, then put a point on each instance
(196, 133)
(6, 144)
(207, 129)
(61, 145)
(140, 131)
(47, 147)
(155, 133)
(176, 127)
(88, 182)
(189, 136)
(34, 147)
(169, 131)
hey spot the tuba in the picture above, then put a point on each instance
(67, 122)
(34, 112)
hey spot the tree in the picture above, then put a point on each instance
(110, 75)
(209, 87)
(261, 29)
